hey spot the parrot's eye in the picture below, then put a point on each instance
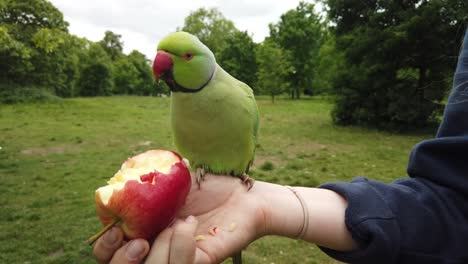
(188, 55)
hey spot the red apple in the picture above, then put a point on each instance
(144, 196)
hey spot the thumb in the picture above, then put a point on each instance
(183, 243)
(132, 252)
(176, 244)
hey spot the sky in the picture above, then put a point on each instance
(142, 23)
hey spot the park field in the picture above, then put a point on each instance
(53, 156)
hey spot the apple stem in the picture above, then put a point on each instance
(95, 237)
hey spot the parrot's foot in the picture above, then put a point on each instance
(247, 181)
(200, 173)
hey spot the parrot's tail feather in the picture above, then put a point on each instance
(249, 165)
(237, 258)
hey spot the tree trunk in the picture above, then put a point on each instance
(298, 94)
(421, 81)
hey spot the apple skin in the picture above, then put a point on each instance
(146, 209)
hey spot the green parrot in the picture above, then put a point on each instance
(214, 116)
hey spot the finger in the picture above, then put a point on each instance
(131, 253)
(159, 253)
(201, 257)
(183, 241)
(107, 245)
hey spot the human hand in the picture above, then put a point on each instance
(227, 217)
(111, 248)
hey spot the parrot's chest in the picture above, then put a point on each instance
(208, 121)
(214, 131)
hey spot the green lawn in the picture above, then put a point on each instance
(53, 157)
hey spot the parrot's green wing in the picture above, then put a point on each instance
(255, 117)
(250, 95)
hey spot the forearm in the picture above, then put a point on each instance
(284, 215)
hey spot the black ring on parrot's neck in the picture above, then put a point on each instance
(175, 87)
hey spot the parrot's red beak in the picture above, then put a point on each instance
(162, 64)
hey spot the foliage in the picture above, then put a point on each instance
(112, 44)
(30, 33)
(58, 56)
(146, 84)
(14, 95)
(330, 62)
(24, 18)
(273, 69)
(36, 50)
(125, 76)
(399, 59)
(210, 26)
(267, 166)
(96, 74)
(95, 80)
(15, 58)
(49, 40)
(237, 56)
(299, 31)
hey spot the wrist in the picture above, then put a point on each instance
(281, 211)
(283, 215)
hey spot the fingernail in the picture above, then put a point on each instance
(190, 219)
(111, 236)
(134, 250)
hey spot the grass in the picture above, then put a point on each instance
(53, 156)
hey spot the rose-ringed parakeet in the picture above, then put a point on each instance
(214, 116)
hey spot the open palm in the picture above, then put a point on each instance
(229, 217)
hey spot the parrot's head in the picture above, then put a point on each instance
(184, 62)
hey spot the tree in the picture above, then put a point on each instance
(32, 34)
(126, 79)
(132, 74)
(76, 50)
(96, 76)
(237, 57)
(299, 31)
(273, 69)
(399, 59)
(210, 26)
(95, 80)
(146, 84)
(112, 44)
(330, 62)
(58, 56)
(24, 18)
(15, 58)
(37, 53)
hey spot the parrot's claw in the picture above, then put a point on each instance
(247, 181)
(200, 174)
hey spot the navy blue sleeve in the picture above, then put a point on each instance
(411, 220)
(423, 218)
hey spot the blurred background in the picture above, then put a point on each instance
(344, 88)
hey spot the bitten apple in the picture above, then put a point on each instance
(144, 196)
